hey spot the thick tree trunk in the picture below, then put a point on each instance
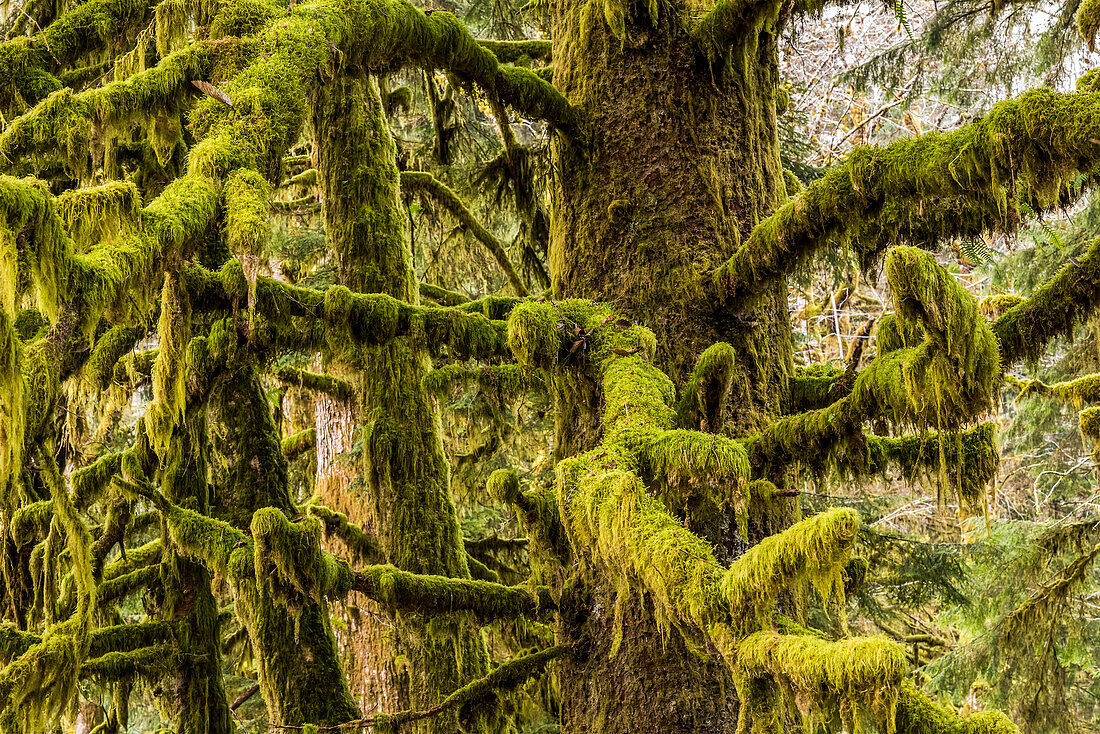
(405, 497)
(678, 160)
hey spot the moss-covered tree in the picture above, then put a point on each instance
(142, 149)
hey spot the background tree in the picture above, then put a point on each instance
(671, 579)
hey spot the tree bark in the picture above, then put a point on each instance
(678, 160)
(405, 496)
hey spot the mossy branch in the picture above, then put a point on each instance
(428, 595)
(426, 182)
(364, 318)
(327, 384)
(442, 296)
(917, 713)
(511, 52)
(363, 546)
(1052, 311)
(1031, 148)
(441, 41)
(299, 443)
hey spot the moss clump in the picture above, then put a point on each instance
(703, 400)
(993, 307)
(846, 682)
(1090, 430)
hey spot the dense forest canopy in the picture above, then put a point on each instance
(576, 365)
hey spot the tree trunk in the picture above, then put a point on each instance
(405, 498)
(296, 657)
(679, 158)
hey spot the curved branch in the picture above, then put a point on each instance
(399, 30)
(1052, 311)
(448, 198)
(1035, 145)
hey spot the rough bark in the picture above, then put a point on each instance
(405, 497)
(677, 160)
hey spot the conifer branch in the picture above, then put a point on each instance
(481, 692)
(450, 200)
(988, 164)
(1052, 311)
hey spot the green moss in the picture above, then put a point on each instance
(362, 546)
(894, 334)
(852, 682)
(987, 164)
(299, 443)
(505, 383)
(993, 307)
(703, 401)
(31, 522)
(816, 386)
(917, 713)
(246, 222)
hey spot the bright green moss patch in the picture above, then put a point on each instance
(703, 401)
(848, 682)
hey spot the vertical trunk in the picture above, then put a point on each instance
(298, 665)
(679, 159)
(363, 639)
(406, 498)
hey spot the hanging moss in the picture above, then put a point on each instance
(894, 334)
(27, 206)
(165, 414)
(87, 27)
(31, 523)
(504, 383)
(246, 222)
(817, 386)
(99, 370)
(851, 682)
(100, 213)
(987, 163)
(703, 401)
(995, 306)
